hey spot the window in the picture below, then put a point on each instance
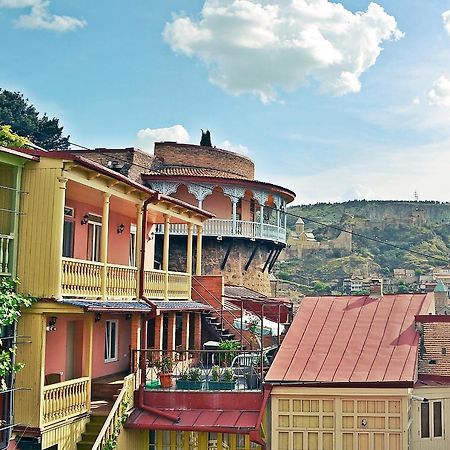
(111, 341)
(431, 420)
(68, 232)
(68, 238)
(94, 237)
(133, 245)
(437, 419)
(425, 420)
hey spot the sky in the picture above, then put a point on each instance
(336, 101)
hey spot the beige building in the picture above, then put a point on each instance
(301, 241)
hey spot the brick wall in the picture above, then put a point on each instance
(171, 153)
(434, 352)
(209, 289)
(212, 256)
(133, 158)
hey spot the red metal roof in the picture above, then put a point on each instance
(197, 420)
(228, 412)
(351, 340)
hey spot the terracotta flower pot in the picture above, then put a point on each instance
(165, 379)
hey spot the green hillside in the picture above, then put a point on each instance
(420, 226)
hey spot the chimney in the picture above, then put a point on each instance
(376, 288)
(441, 298)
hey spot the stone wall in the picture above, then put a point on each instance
(212, 256)
(434, 356)
(171, 153)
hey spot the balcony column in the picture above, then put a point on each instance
(171, 328)
(104, 242)
(261, 218)
(190, 230)
(58, 226)
(198, 262)
(165, 261)
(138, 245)
(185, 331)
(88, 339)
(234, 201)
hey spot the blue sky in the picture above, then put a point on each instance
(119, 73)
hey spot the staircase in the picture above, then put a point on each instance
(92, 430)
(223, 334)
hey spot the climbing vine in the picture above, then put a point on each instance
(10, 305)
(111, 442)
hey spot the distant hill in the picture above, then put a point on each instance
(419, 226)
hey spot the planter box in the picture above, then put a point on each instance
(189, 385)
(221, 385)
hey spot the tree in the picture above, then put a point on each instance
(10, 139)
(24, 120)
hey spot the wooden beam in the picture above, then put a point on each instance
(227, 254)
(247, 265)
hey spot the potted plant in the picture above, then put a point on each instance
(222, 379)
(191, 379)
(165, 367)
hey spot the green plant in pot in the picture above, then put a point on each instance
(165, 367)
(222, 379)
(192, 379)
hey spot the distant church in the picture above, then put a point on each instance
(301, 241)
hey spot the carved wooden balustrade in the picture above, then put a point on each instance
(61, 401)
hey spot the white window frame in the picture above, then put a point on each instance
(108, 344)
(96, 234)
(431, 420)
(133, 242)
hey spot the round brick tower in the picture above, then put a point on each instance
(245, 238)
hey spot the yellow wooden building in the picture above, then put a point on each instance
(86, 252)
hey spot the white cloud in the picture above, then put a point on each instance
(254, 46)
(439, 94)
(446, 20)
(147, 137)
(237, 148)
(40, 16)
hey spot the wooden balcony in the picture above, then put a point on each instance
(62, 401)
(84, 279)
(230, 228)
(6, 244)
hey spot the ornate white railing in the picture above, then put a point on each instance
(6, 243)
(64, 400)
(107, 437)
(228, 228)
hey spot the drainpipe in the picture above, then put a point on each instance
(152, 410)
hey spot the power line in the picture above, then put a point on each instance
(317, 222)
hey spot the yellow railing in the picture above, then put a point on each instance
(121, 281)
(82, 278)
(64, 400)
(178, 285)
(107, 436)
(154, 283)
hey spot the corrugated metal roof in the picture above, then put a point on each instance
(351, 340)
(133, 305)
(196, 420)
